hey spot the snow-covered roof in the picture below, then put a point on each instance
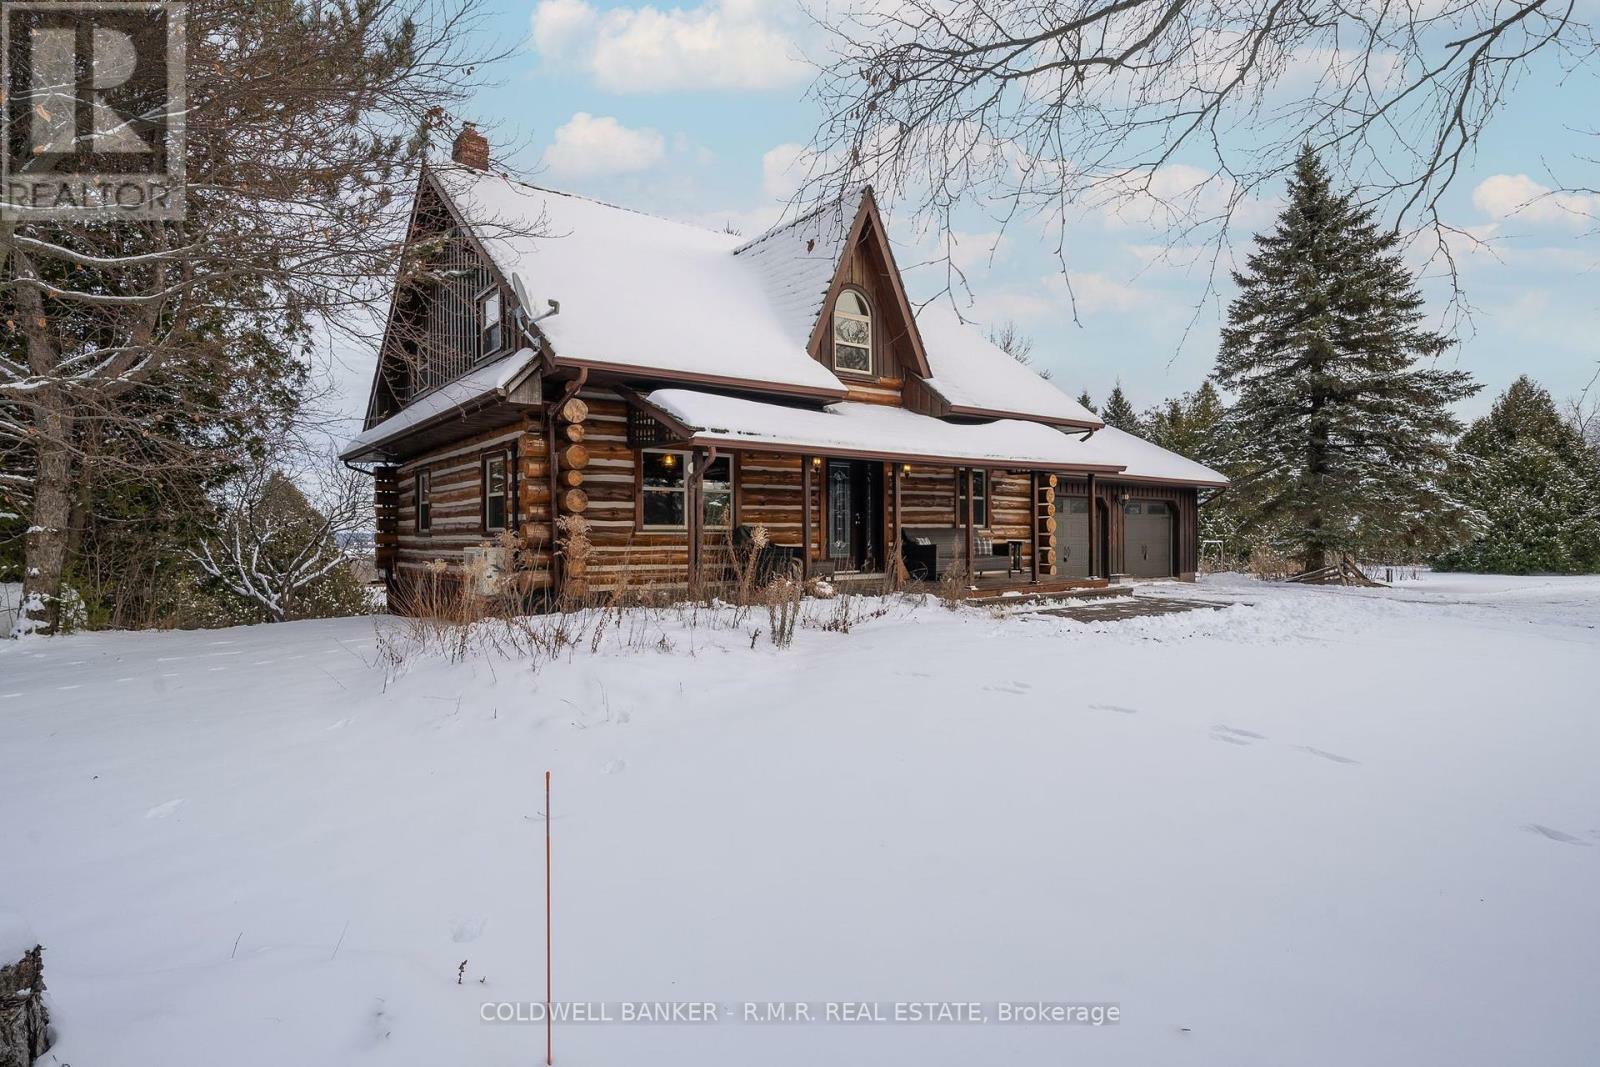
(875, 430)
(494, 379)
(644, 294)
(796, 262)
(978, 378)
(1143, 460)
(637, 293)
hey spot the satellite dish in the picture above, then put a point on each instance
(521, 291)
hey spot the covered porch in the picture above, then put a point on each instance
(869, 495)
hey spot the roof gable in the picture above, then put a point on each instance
(803, 266)
(639, 295)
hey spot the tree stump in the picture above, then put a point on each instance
(23, 1019)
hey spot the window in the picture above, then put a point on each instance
(664, 489)
(424, 505)
(489, 322)
(980, 498)
(852, 333)
(718, 490)
(496, 493)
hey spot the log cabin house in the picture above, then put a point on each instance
(550, 355)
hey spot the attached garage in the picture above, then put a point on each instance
(1074, 525)
(1147, 532)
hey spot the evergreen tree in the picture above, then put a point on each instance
(1086, 401)
(1343, 439)
(1195, 425)
(1189, 425)
(1532, 477)
(1119, 411)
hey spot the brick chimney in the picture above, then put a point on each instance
(471, 148)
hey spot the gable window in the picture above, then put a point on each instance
(496, 493)
(489, 322)
(421, 489)
(664, 491)
(852, 333)
(980, 498)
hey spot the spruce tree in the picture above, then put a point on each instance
(1119, 411)
(1194, 425)
(1343, 435)
(1087, 401)
(1536, 484)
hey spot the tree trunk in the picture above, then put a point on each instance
(46, 552)
(23, 1019)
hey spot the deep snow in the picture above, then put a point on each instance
(1320, 827)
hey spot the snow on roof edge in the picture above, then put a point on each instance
(490, 379)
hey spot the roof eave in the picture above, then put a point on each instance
(634, 370)
(377, 451)
(736, 442)
(1023, 416)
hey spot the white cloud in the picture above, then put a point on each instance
(781, 171)
(587, 146)
(720, 44)
(1092, 292)
(560, 24)
(1177, 193)
(1504, 196)
(1019, 305)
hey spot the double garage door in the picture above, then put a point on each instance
(1147, 539)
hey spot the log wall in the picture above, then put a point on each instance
(456, 496)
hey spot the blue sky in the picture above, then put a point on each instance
(693, 111)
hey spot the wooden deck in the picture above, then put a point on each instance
(992, 587)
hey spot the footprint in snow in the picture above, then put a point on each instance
(1235, 736)
(1555, 835)
(615, 766)
(465, 930)
(1334, 756)
(161, 811)
(1114, 707)
(1014, 688)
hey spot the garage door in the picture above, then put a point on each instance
(1147, 539)
(1074, 526)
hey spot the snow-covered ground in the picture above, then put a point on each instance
(1326, 827)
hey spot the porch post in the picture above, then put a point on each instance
(971, 515)
(695, 520)
(892, 556)
(1033, 515)
(805, 518)
(1094, 528)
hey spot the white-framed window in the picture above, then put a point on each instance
(664, 490)
(980, 499)
(489, 322)
(422, 488)
(852, 333)
(496, 492)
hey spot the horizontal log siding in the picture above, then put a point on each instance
(456, 500)
(621, 553)
(1011, 511)
(768, 490)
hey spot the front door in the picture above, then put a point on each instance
(855, 503)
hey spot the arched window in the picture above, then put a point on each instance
(852, 333)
